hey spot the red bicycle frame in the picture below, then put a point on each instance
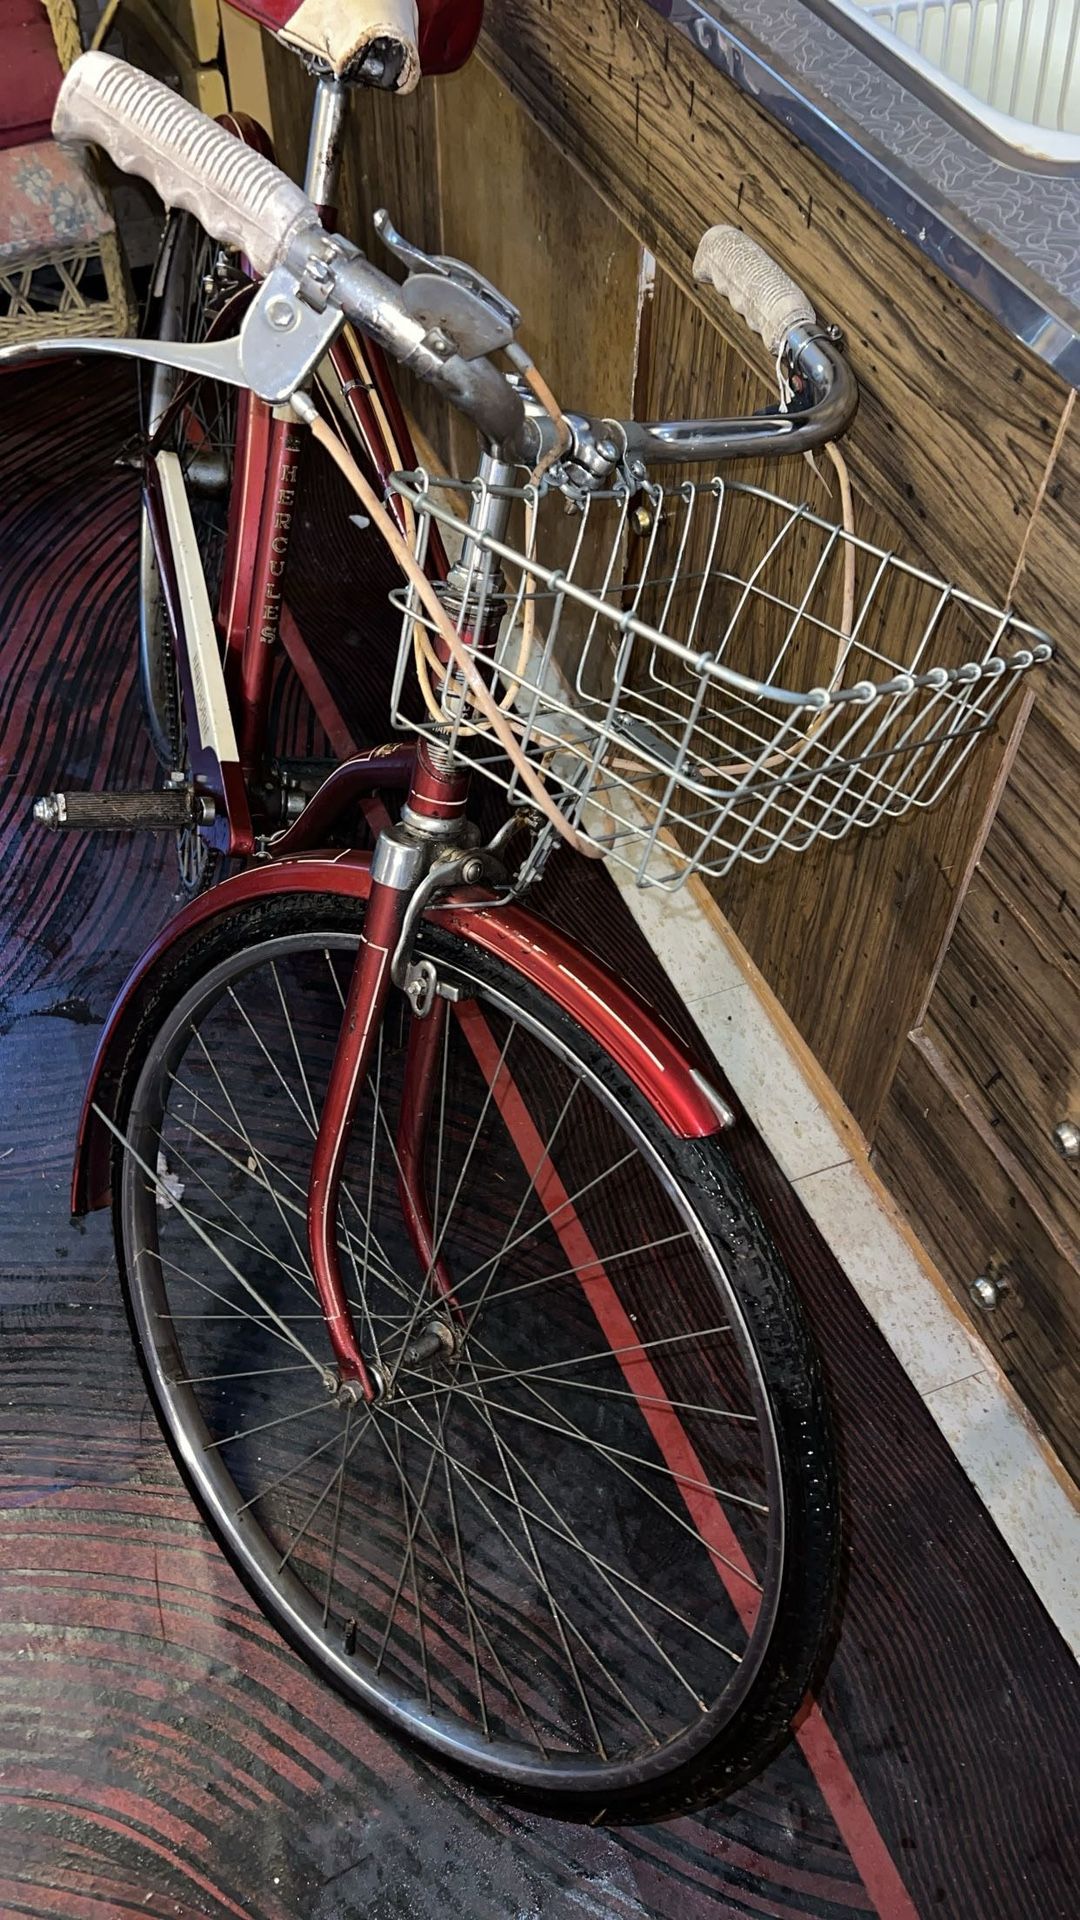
(225, 657)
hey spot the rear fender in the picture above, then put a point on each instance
(633, 1033)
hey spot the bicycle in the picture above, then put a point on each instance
(469, 1345)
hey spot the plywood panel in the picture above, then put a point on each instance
(953, 456)
(197, 23)
(973, 1211)
(1032, 855)
(1006, 1016)
(291, 90)
(152, 42)
(243, 45)
(513, 206)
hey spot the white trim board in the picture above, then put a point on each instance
(952, 1370)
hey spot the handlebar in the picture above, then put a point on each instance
(243, 200)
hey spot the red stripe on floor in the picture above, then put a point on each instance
(849, 1810)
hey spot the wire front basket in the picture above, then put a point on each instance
(707, 671)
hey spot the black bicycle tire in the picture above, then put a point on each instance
(781, 1341)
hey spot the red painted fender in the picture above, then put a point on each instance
(632, 1032)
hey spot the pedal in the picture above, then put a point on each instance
(120, 812)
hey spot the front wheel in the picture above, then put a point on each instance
(583, 1542)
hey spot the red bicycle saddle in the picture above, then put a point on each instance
(438, 35)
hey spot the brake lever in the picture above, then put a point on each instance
(278, 347)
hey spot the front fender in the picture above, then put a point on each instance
(633, 1033)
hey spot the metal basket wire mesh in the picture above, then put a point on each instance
(709, 670)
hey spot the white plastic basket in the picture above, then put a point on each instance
(675, 695)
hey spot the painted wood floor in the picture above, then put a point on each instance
(161, 1752)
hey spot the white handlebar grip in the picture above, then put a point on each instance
(762, 292)
(237, 196)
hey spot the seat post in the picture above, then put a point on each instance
(323, 166)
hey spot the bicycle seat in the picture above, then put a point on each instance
(382, 43)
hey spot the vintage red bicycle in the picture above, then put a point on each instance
(466, 1339)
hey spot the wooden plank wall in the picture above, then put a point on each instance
(849, 938)
(965, 1139)
(462, 170)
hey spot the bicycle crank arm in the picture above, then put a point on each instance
(122, 812)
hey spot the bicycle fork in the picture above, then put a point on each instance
(429, 851)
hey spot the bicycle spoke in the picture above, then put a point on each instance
(336, 1530)
(493, 1651)
(289, 1474)
(442, 1125)
(204, 1236)
(272, 1063)
(542, 1580)
(241, 1130)
(470, 1613)
(280, 1420)
(259, 1246)
(619, 1453)
(549, 1217)
(640, 1399)
(437, 1247)
(362, 1279)
(617, 1456)
(310, 1118)
(295, 1046)
(253, 1246)
(409, 1561)
(324, 1495)
(237, 1312)
(246, 1373)
(407, 1556)
(600, 1354)
(526, 1196)
(602, 1568)
(387, 1274)
(346, 1193)
(572, 1273)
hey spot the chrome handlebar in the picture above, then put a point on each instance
(444, 321)
(825, 392)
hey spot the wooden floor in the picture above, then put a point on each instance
(161, 1752)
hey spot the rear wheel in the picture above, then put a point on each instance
(583, 1543)
(193, 280)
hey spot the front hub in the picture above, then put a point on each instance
(435, 1343)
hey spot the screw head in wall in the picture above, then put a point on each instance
(985, 1292)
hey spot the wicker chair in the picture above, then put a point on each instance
(57, 230)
